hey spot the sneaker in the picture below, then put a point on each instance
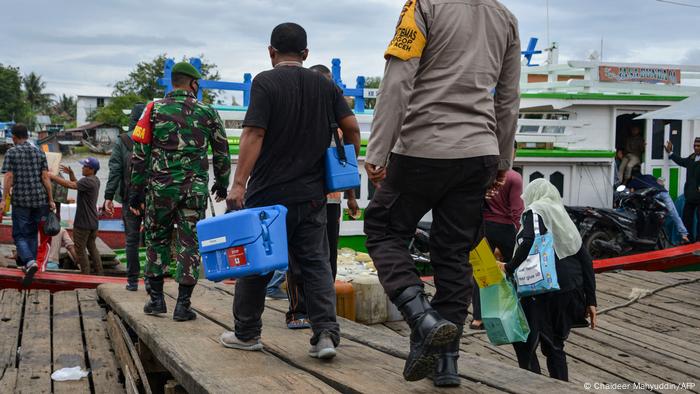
(132, 286)
(29, 270)
(324, 348)
(277, 294)
(230, 340)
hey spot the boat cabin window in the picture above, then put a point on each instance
(658, 138)
(549, 124)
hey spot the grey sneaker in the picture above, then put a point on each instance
(324, 349)
(230, 340)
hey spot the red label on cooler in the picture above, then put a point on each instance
(236, 256)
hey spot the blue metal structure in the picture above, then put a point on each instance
(531, 50)
(244, 86)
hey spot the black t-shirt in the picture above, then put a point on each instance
(292, 105)
(86, 210)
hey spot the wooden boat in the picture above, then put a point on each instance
(681, 258)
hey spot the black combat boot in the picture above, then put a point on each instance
(156, 305)
(429, 332)
(446, 374)
(183, 312)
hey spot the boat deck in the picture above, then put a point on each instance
(650, 338)
(43, 332)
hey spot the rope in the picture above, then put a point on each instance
(647, 294)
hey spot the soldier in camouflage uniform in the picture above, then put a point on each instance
(169, 179)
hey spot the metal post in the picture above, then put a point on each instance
(247, 80)
(335, 70)
(360, 97)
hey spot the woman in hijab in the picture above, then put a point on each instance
(552, 315)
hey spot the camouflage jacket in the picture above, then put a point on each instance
(170, 147)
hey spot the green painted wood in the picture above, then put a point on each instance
(673, 183)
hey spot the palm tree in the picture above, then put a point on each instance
(65, 107)
(34, 89)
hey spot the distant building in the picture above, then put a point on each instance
(89, 102)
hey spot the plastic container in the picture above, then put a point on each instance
(244, 243)
(341, 174)
(370, 300)
(345, 300)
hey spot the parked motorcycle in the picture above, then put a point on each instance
(635, 225)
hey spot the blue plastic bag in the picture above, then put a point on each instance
(503, 317)
(538, 273)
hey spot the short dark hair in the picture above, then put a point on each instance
(180, 79)
(20, 131)
(320, 68)
(288, 38)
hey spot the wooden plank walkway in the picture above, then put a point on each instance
(370, 360)
(647, 333)
(44, 332)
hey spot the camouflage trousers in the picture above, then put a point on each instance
(168, 213)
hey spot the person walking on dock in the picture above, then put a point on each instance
(286, 133)
(85, 224)
(169, 178)
(552, 315)
(442, 137)
(691, 190)
(118, 186)
(28, 185)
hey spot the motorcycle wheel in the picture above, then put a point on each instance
(595, 251)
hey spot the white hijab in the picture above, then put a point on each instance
(543, 198)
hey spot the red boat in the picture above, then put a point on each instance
(680, 258)
(11, 278)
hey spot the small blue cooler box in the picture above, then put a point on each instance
(244, 243)
(341, 174)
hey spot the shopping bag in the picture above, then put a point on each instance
(485, 266)
(52, 226)
(538, 273)
(503, 317)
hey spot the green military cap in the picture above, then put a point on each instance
(186, 69)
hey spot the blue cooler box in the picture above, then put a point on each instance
(244, 243)
(341, 175)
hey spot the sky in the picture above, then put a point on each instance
(84, 47)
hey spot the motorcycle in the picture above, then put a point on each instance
(634, 225)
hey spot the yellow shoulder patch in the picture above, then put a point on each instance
(408, 41)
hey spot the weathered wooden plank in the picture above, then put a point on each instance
(35, 356)
(121, 352)
(11, 304)
(103, 364)
(193, 355)
(68, 341)
(658, 323)
(491, 373)
(141, 376)
(8, 380)
(653, 282)
(349, 372)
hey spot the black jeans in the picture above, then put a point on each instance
(550, 317)
(454, 190)
(308, 249)
(690, 212)
(295, 289)
(132, 228)
(501, 236)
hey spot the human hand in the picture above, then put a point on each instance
(502, 266)
(52, 206)
(219, 191)
(136, 204)
(109, 207)
(235, 198)
(592, 314)
(375, 174)
(66, 170)
(497, 184)
(353, 208)
(668, 147)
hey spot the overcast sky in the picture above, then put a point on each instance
(81, 47)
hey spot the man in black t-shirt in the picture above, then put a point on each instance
(86, 223)
(286, 132)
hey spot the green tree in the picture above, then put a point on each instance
(34, 89)
(142, 81)
(13, 105)
(64, 110)
(113, 113)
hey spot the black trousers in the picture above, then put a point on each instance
(454, 190)
(308, 249)
(690, 212)
(132, 228)
(501, 236)
(550, 317)
(295, 289)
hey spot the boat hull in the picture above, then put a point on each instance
(680, 258)
(11, 278)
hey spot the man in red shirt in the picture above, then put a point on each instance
(501, 224)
